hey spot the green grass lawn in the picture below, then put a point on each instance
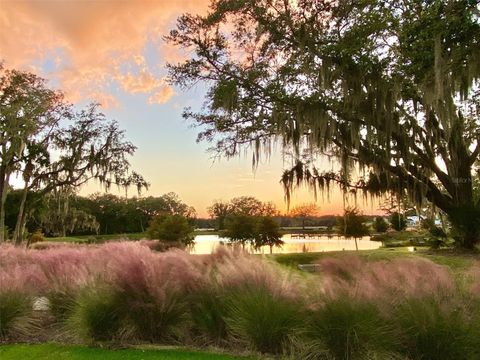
(68, 352)
(100, 238)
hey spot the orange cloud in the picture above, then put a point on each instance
(92, 45)
(162, 95)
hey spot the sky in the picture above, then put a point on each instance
(112, 52)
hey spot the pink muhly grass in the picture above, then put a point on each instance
(474, 276)
(247, 272)
(402, 277)
(136, 268)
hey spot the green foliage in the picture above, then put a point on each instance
(62, 302)
(171, 228)
(398, 221)
(352, 224)
(434, 330)
(304, 212)
(37, 121)
(438, 237)
(380, 225)
(208, 314)
(15, 313)
(240, 228)
(242, 206)
(37, 236)
(385, 110)
(349, 329)
(152, 319)
(262, 320)
(267, 233)
(96, 315)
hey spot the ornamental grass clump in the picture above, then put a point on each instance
(262, 303)
(145, 295)
(97, 315)
(436, 329)
(393, 279)
(347, 328)
(16, 314)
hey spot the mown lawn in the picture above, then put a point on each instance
(68, 352)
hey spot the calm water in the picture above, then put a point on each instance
(205, 244)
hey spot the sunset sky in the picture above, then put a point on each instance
(112, 52)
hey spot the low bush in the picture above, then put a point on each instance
(37, 237)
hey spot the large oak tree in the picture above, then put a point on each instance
(389, 88)
(51, 146)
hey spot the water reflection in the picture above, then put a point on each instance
(205, 244)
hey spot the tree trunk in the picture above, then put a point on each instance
(4, 179)
(21, 218)
(465, 222)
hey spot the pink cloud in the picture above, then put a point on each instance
(162, 95)
(93, 45)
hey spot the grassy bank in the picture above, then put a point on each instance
(65, 352)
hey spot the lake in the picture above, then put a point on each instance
(205, 244)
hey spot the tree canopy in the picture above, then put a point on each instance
(387, 88)
(52, 146)
(242, 205)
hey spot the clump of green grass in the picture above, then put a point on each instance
(262, 320)
(433, 329)
(16, 317)
(208, 313)
(347, 328)
(96, 315)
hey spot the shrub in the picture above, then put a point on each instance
(262, 302)
(380, 224)
(154, 320)
(171, 228)
(37, 237)
(398, 221)
(349, 329)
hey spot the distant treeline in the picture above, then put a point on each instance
(71, 214)
(63, 214)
